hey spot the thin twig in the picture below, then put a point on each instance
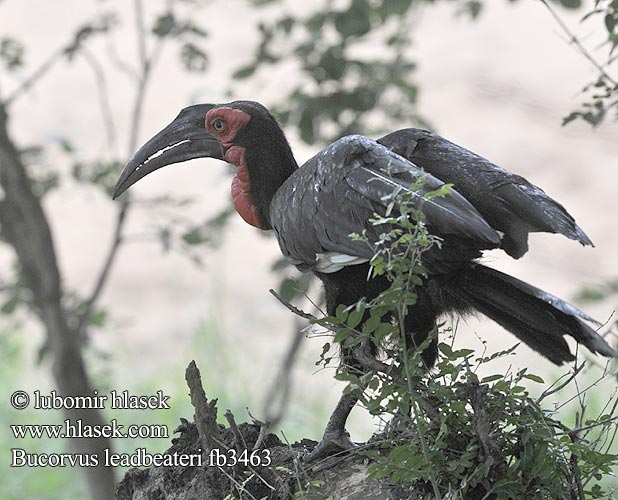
(146, 64)
(104, 101)
(106, 268)
(575, 41)
(601, 423)
(36, 75)
(121, 65)
(583, 391)
(264, 428)
(141, 33)
(292, 308)
(550, 391)
(238, 437)
(241, 488)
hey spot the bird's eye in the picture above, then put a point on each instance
(218, 124)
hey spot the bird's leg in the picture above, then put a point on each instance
(335, 438)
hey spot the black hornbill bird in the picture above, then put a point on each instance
(314, 209)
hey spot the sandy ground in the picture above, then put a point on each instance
(499, 86)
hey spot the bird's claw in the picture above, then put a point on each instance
(332, 442)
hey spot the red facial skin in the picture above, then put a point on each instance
(235, 120)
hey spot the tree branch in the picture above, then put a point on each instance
(575, 41)
(103, 275)
(25, 228)
(35, 76)
(104, 102)
(146, 64)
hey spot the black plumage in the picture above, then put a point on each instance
(314, 209)
(508, 202)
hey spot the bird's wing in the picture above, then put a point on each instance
(335, 193)
(508, 202)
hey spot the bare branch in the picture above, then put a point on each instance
(238, 437)
(107, 266)
(121, 65)
(549, 391)
(292, 308)
(104, 101)
(35, 76)
(25, 228)
(141, 34)
(147, 61)
(146, 65)
(575, 41)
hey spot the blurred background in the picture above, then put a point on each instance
(171, 274)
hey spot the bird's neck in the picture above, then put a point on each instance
(260, 172)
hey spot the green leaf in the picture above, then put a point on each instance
(333, 63)
(164, 25)
(356, 316)
(534, 378)
(446, 350)
(193, 58)
(11, 53)
(611, 20)
(371, 324)
(307, 127)
(571, 4)
(288, 289)
(355, 21)
(286, 24)
(244, 72)
(341, 313)
(474, 8)
(193, 237)
(315, 23)
(10, 305)
(393, 8)
(98, 318)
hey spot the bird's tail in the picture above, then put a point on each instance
(537, 318)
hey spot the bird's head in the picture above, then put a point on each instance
(243, 133)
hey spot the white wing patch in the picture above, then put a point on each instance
(331, 262)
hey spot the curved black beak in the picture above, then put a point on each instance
(183, 139)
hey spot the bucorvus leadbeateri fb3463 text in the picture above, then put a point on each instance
(314, 208)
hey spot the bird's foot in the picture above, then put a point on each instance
(332, 442)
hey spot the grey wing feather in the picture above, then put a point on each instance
(508, 202)
(337, 191)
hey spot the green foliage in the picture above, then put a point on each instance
(449, 433)
(569, 4)
(103, 24)
(349, 87)
(11, 53)
(357, 75)
(601, 95)
(189, 34)
(99, 173)
(489, 439)
(345, 88)
(28, 483)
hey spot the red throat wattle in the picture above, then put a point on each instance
(241, 186)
